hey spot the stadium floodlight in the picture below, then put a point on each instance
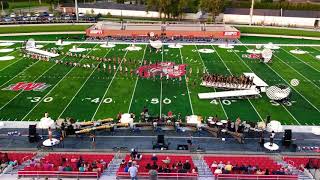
(76, 8)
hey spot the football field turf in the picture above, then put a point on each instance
(91, 94)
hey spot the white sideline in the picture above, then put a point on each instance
(45, 96)
(146, 43)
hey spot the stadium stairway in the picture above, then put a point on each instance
(203, 169)
(114, 165)
(280, 161)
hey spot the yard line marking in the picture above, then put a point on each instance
(82, 86)
(232, 74)
(300, 59)
(23, 90)
(13, 62)
(297, 72)
(186, 83)
(225, 113)
(105, 93)
(19, 73)
(161, 86)
(137, 79)
(53, 88)
(290, 85)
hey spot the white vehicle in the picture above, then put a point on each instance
(28, 14)
(37, 14)
(25, 18)
(12, 15)
(81, 15)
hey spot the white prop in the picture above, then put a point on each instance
(274, 126)
(176, 46)
(271, 46)
(6, 58)
(318, 57)
(45, 123)
(194, 119)
(76, 49)
(133, 48)
(156, 44)
(254, 51)
(206, 51)
(126, 118)
(31, 43)
(226, 46)
(316, 130)
(107, 45)
(267, 55)
(298, 51)
(6, 50)
(62, 43)
(6, 44)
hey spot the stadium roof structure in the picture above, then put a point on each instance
(103, 29)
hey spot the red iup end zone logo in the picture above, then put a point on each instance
(27, 86)
(162, 68)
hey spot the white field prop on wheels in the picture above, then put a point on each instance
(76, 49)
(60, 42)
(176, 46)
(6, 44)
(6, 50)
(133, 48)
(270, 45)
(206, 50)
(298, 51)
(267, 55)
(254, 51)
(156, 44)
(107, 45)
(226, 46)
(6, 58)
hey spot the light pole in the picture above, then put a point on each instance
(76, 8)
(251, 12)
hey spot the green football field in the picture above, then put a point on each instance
(91, 94)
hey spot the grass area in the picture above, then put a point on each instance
(20, 5)
(278, 31)
(44, 28)
(265, 40)
(93, 93)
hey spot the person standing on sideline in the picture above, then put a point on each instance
(93, 141)
(272, 135)
(133, 171)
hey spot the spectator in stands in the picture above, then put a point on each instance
(154, 157)
(187, 165)
(267, 172)
(133, 154)
(148, 166)
(133, 171)
(195, 170)
(81, 168)
(160, 170)
(259, 172)
(61, 168)
(67, 168)
(153, 174)
(228, 167)
(139, 157)
(217, 171)
(167, 160)
(126, 169)
(50, 133)
(179, 165)
(214, 164)
(154, 166)
(167, 169)
(221, 165)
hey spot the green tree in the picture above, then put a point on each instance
(211, 6)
